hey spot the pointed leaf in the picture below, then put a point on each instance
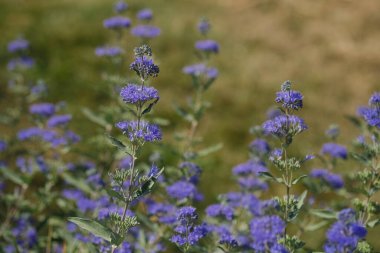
(268, 175)
(150, 106)
(373, 223)
(147, 186)
(295, 181)
(94, 118)
(316, 226)
(77, 182)
(209, 150)
(327, 214)
(14, 177)
(117, 143)
(95, 228)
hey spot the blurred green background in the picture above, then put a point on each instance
(329, 49)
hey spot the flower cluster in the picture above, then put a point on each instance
(21, 60)
(371, 114)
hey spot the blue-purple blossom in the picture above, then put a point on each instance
(144, 67)
(201, 69)
(125, 163)
(284, 125)
(108, 51)
(120, 6)
(192, 171)
(23, 62)
(265, 232)
(3, 146)
(138, 94)
(182, 190)
(142, 131)
(145, 14)
(344, 235)
(117, 22)
(38, 88)
(187, 231)
(335, 181)
(334, 150)
(374, 100)
(145, 31)
(166, 213)
(260, 147)
(208, 46)
(273, 113)
(204, 26)
(220, 210)
(59, 120)
(225, 236)
(18, 45)
(42, 109)
(25, 234)
(290, 99)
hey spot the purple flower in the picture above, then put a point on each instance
(125, 163)
(42, 109)
(290, 99)
(203, 26)
(266, 231)
(344, 235)
(145, 31)
(260, 147)
(23, 62)
(38, 89)
(182, 190)
(334, 150)
(108, 51)
(370, 115)
(144, 67)
(142, 131)
(284, 125)
(117, 22)
(3, 146)
(248, 168)
(201, 70)
(375, 99)
(219, 210)
(192, 171)
(120, 6)
(208, 46)
(273, 113)
(145, 14)
(335, 181)
(18, 45)
(138, 94)
(59, 120)
(29, 133)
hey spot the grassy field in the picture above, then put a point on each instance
(330, 49)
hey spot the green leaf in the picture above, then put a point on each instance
(354, 120)
(301, 200)
(327, 214)
(147, 186)
(96, 229)
(114, 194)
(295, 181)
(209, 150)
(14, 177)
(117, 143)
(373, 223)
(94, 118)
(77, 182)
(150, 106)
(316, 226)
(268, 175)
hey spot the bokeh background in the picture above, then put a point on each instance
(329, 49)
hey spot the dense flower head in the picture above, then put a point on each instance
(59, 120)
(220, 210)
(23, 62)
(273, 113)
(192, 171)
(265, 232)
(120, 6)
(209, 46)
(252, 183)
(145, 67)
(145, 31)
(284, 125)
(374, 100)
(371, 115)
(42, 109)
(142, 131)
(145, 14)
(259, 146)
(187, 214)
(247, 201)
(247, 168)
(3, 146)
(290, 99)
(335, 181)
(108, 51)
(333, 131)
(344, 235)
(334, 150)
(201, 69)
(25, 234)
(117, 22)
(182, 190)
(204, 26)
(225, 236)
(125, 163)
(18, 45)
(138, 94)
